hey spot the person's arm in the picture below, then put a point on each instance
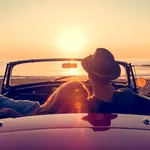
(9, 113)
(24, 107)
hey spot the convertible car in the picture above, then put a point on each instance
(76, 132)
(36, 79)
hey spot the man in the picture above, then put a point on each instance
(102, 68)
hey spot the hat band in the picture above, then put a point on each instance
(98, 74)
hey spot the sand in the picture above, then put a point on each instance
(144, 91)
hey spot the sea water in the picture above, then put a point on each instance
(142, 68)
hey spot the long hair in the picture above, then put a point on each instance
(70, 97)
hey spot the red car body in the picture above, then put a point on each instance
(76, 132)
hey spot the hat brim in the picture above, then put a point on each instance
(116, 68)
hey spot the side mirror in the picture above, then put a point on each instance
(141, 82)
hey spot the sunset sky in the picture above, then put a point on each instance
(74, 28)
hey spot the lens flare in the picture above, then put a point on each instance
(78, 105)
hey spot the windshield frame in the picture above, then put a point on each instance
(8, 72)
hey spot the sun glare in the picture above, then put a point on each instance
(71, 41)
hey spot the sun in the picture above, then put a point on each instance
(71, 40)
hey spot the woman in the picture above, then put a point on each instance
(71, 97)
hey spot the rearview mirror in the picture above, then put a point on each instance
(141, 82)
(69, 65)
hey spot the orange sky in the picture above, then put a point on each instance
(74, 28)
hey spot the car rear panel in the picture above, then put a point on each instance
(76, 139)
(74, 120)
(76, 132)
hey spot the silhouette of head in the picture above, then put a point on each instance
(100, 122)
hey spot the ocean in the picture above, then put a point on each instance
(142, 68)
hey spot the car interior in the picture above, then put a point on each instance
(40, 91)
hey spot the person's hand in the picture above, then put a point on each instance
(9, 113)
